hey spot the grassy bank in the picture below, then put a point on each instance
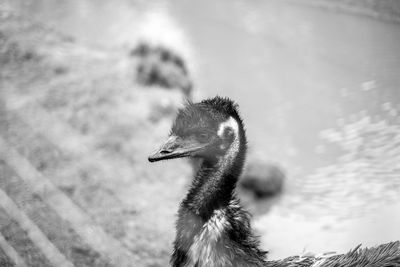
(76, 116)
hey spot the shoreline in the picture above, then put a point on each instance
(383, 10)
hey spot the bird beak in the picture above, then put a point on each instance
(175, 147)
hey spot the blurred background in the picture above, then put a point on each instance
(89, 88)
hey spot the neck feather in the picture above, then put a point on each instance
(214, 184)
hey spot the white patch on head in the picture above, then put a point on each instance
(204, 250)
(231, 153)
(229, 123)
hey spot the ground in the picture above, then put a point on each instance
(73, 126)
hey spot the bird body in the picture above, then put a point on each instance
(212, 228)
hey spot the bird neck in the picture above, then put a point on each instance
(214, 183)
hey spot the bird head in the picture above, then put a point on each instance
(206, 130)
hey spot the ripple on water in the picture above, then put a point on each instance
(336, 207)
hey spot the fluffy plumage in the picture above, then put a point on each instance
(385, 255)
(212, 228)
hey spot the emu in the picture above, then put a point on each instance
(212, 228)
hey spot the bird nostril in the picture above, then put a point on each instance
(164, 151)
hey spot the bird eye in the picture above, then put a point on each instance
(202, 137)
